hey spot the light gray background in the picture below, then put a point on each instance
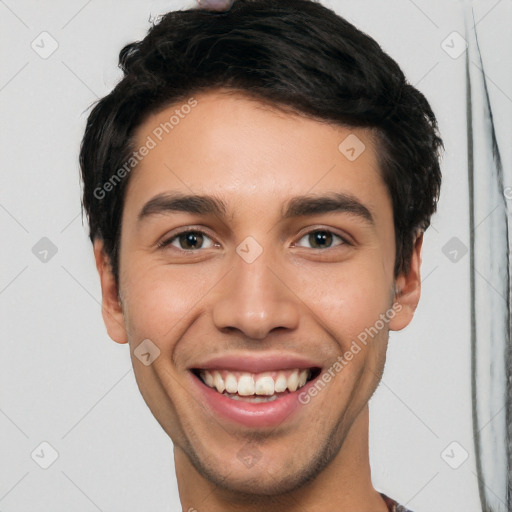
(63, 381)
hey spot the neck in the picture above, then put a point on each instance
(343, 485)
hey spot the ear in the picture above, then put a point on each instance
(111, 308)
(408, 289)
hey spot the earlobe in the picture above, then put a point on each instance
(111, 308)
(408, 289)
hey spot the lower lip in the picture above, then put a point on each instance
(262, 414)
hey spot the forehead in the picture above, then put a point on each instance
(244, 151)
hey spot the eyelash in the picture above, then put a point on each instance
(168, 241)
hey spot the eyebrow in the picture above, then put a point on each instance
(178, 202)
(297, 206)
(332, 202)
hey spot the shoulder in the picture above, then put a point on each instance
(401, 508)
(394, 506)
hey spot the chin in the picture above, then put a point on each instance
(252, 474)
(258, 482)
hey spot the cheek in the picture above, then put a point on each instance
(159, 301)
(349, 301)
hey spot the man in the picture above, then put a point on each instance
(257, 188)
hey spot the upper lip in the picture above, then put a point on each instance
(256, 363)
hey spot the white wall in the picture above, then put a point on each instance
(62, 380)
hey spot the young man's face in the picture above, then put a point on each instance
(257, 291)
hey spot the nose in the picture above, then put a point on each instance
(256, 298)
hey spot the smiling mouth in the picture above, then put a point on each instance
(256, 387)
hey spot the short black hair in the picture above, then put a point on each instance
(297, 55)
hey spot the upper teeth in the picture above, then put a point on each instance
(246, 384)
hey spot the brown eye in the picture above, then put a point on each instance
(321, 239)
(188, 240)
